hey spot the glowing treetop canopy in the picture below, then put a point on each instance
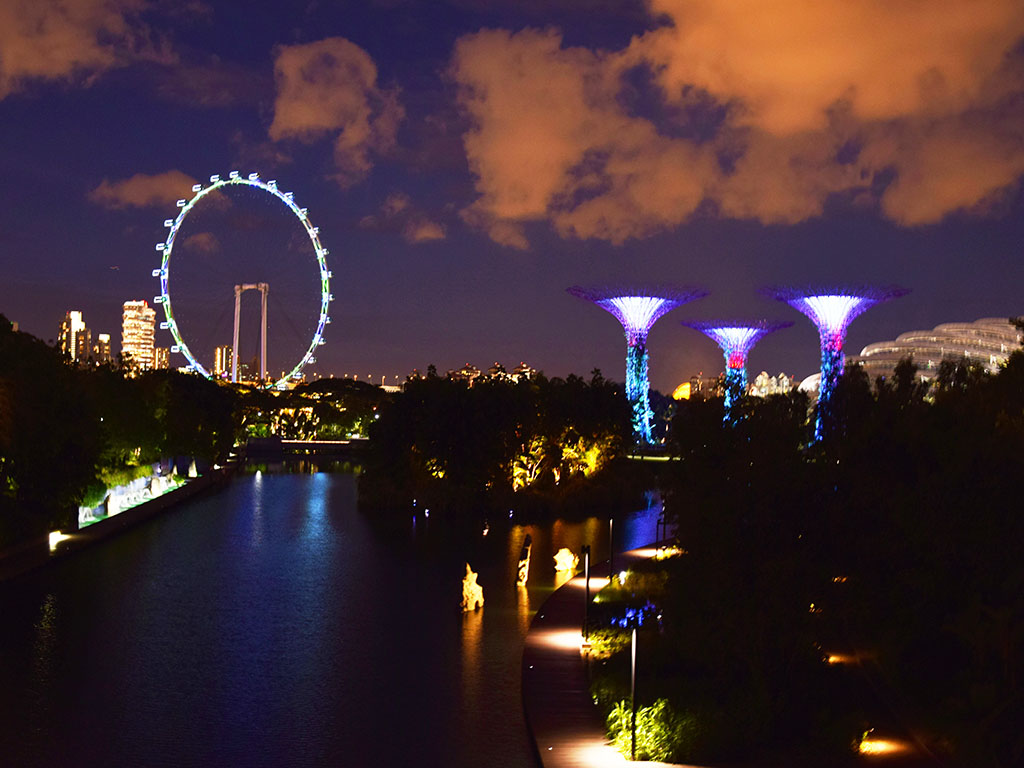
(833, 309)
(638, 308)
(736, 338)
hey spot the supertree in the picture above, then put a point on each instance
(832, 310)
(736, 338)
(637, 309)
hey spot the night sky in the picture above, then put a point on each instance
(468, 160)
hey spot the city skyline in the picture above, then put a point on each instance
(456, 199)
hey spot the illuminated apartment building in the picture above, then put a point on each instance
(138, 329)
(222, 361)
(73, 337)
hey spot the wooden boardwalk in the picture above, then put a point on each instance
(567, 729)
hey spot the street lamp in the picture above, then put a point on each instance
(611, 548)
(632, 693)
(586, 604)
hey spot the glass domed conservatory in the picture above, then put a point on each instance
(988, 342)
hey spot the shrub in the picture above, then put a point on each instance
(662, 733)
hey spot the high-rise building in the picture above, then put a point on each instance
(74, 337)
(161, 358)
(138, 330)
(222, 361)
(101, 349)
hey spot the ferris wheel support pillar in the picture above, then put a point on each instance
(264, 289)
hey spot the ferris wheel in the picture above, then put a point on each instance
(167, 247)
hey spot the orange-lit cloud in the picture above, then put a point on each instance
(329, 88)
(144, 191)
(202, 242)
(813, 98)
(55, 40)
(398, 214)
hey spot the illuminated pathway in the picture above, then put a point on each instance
(567, 729)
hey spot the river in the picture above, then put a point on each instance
(270, 623)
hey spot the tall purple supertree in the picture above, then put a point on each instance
(832, 310)
(736, 338)
(637, 309)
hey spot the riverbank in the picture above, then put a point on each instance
(37, 552)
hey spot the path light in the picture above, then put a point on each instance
(56, 537)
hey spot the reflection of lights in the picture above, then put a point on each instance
(597, 754)
(597, 583)
(871, 746)
(562, 639)
(56, 537)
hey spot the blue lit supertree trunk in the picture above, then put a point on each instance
(735, 389)
(638, 309)
(832, 363)
(736, 340)
(832, 311)
(638, 388)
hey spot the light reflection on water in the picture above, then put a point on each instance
(272, 624)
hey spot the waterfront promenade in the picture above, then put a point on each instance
(565, 724)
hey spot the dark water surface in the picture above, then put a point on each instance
(271, 624)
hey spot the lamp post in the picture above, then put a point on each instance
(586, 598)
(611, 548)
(632, 694)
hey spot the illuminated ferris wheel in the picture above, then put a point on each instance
(166, 248)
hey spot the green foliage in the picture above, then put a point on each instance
(607, 641)
(69, 432)
(663, 734)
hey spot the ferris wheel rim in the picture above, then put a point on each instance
(167, 247)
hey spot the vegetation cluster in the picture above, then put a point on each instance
(536, 444)
(67, 432)
(895, 539)
(326, 409)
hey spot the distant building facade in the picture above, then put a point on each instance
(222, 361)
(101, 349)
(161, 358)
(138, 331)
(73, 338)
(764, 385)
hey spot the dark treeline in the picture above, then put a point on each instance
(897, 536)
(67, 432)
(539, 444)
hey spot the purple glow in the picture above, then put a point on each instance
(832, 310)
(736, 339)
(638, 309)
